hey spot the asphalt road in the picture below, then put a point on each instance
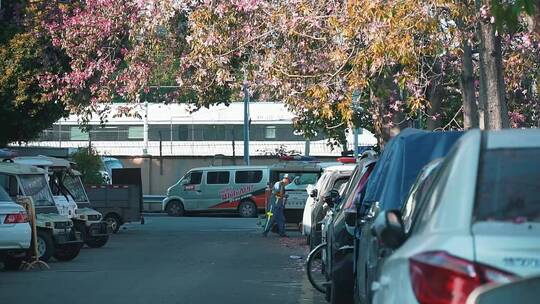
(174, 260)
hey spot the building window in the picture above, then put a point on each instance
(270, 132)
(136, 132)
(75, 133)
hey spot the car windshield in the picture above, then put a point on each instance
(4, 196)
(509, 186)
(75, 187)
(36, 186)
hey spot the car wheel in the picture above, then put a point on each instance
(45, 245)
(340, 295)
(12, 264)
(175, 208)
(113, 221)
(342, 287)
(97, 242)
(247, 209)
(67, 252)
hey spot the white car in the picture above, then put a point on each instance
(479, 223)
(313, 192)
(15, 232)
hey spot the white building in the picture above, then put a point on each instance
(206, 132)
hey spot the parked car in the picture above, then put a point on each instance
(522, 291)
(312, 191)
(478, 224)
(393, 176)
(340, 235)
(15, 232)
(336, 176)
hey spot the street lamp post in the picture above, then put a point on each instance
(246, 124)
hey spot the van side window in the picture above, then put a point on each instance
(194, 178)
(217, 178)
(248, 177)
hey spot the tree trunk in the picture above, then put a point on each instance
(435, 99)
(470, 110)
(491, 78)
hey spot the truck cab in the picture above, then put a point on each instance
(56, 235)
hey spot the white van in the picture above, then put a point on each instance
(233, 188)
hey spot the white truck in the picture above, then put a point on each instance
(55, 233)
(71, 199)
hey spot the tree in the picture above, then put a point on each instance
(25, 55)
(90, 165)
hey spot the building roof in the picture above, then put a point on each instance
(159, 113)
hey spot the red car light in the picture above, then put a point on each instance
(439, 278)
(347, 160)
(16, 218)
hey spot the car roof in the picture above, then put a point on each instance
(228, 168)
(13, 168)
(341, 168)
(42, 160)
(512, 138)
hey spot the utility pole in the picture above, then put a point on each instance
(246, 121)
(145, 129)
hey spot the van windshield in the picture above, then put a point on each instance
(36, 186)
(508, 186)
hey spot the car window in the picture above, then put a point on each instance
(339, 182)
(416, 197)
(217, 178)
(193, 178)
(248, 177)
(4, 196)
(508, 186)
(300, 180)
(433, 194)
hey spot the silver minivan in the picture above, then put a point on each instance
(233, 188)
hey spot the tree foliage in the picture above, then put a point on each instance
(25, 55)
(336, 64)
(90, 165)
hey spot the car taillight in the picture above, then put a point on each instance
(439, 278)
(16, 218)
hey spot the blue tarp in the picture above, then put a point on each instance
(401, 161)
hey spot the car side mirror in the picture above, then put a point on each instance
(184, 182)
(388, 228)
(314, 193)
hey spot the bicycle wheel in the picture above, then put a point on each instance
(315, 268)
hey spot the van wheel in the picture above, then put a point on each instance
(175, 208)
(247, 209)
(45, 245)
